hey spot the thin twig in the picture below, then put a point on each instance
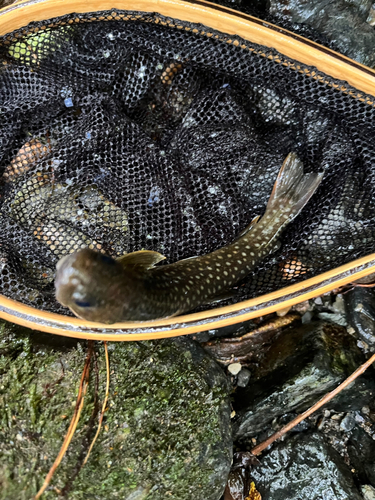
(85, 442)
(103, 407)
(73, 423)
(262, 446)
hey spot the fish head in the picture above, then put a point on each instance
(92, 285)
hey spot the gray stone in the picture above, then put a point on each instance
(304, 467)
(243, 377)
(348, 423)
(166, 432)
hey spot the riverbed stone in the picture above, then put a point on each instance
(166, 432)
(302, 364)
(304, 467)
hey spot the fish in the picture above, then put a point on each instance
(96, 287)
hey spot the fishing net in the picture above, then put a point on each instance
(121, 131)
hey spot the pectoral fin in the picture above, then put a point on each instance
(143, 259)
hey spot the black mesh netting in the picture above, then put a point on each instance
(122, 131)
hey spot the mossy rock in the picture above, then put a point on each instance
(166, 433)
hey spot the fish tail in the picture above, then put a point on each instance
(291, 191)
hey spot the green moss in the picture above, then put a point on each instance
(166, 433)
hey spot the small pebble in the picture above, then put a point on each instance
(348, 423)
(350, 330)
(243, 377)
(339, 304)
(368, 492)
(336, 416)
(234, 368)
(302, 307)
(365, 410)
(362, 345)
(318, 301)
(327, 413)
(306, 318)
(283, 312)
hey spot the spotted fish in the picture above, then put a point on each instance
(98, 288)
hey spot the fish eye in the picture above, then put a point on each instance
(82, 304)
(106, 259)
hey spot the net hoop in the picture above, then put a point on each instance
(228, 21)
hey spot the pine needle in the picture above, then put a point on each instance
(262, 446)
(73, 424)
(103, 407)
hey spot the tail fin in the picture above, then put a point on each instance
(291, 191)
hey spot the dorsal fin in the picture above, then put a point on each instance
(143, 259)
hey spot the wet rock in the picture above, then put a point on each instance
(361, 450)
(360, 306)
(304, 467)
(302, 364)
(166, 432)
(342, 22)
